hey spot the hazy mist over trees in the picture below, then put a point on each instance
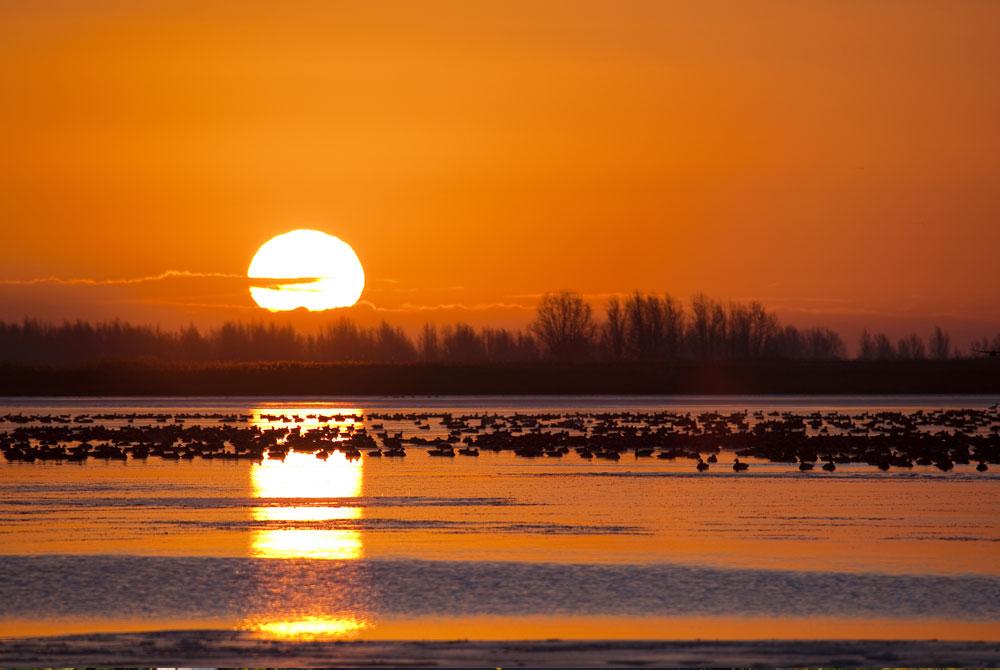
(639, 327)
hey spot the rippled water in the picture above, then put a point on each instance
(496, 547)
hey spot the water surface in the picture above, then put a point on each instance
(494, 547)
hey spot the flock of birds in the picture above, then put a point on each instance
(887, 439)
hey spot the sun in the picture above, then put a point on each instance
(327, 272)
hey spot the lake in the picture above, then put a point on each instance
(496, 547)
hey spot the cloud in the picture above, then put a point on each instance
(188, 304)
(586, 296)
(125, 281)
(391, 289)
(411, 289)
(152, 279)
(477, 307)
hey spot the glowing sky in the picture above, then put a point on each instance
(838, 160)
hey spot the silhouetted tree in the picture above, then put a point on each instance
(461, 343)
(876, 347)
(824, 345)
(639, 327)
(429, 345)
(866, 346)
(673, 327)
(564, 326)
(343, 341)
(940, 344)
(911, 348)
(708, 335)
(884, 351)
(985, 345)
(613, 330)
(645, 331)
(504, 346)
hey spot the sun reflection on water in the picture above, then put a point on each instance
(310, 628)
(303, 488)
(302, 499)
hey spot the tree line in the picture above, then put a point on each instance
(640, 327)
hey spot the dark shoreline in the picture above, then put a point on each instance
(213, 648)
(110, 378)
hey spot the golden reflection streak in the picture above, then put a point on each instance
(310, 628)
(299, 477)
(296, 479)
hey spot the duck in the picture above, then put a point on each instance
(945, 464)
(739, 466)
(447, 452)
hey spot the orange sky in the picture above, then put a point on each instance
(839, 161)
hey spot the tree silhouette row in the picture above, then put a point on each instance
(640, 327)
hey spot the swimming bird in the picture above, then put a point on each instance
(447, 452)
(740, 467)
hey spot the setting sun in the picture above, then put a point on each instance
(327, 272)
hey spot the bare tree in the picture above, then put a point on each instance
(428, 344)
(644, 326)
(461, 343)
(876, 347)
(709, 331)
(940, 344)
(884, 351)
(673, 326)
(986, 346)
(911, 348)
(613, 330)
(343, 341)
(392, 345)
(700, 332)
(866, 346)
(763, 326)
(564, 325)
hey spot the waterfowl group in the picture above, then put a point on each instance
(942, 439)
